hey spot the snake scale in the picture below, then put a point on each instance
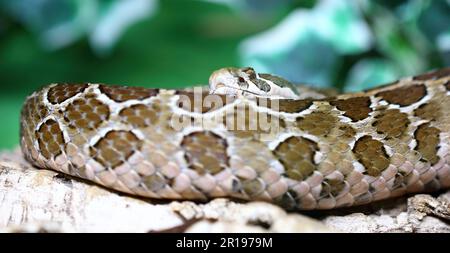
(252, 137)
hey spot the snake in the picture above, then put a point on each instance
(249, 136)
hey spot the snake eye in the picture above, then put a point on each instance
(242, 83)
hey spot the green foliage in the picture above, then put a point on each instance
(351, 45)
(355, 44)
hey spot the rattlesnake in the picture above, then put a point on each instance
(310, 153)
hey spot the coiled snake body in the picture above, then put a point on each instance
(252, 139)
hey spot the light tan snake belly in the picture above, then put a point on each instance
(300, 154)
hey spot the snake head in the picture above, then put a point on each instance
(246, 82)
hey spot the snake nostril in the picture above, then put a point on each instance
(241, 79)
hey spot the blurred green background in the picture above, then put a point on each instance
(350, 45)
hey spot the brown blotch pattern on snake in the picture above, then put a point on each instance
(64, 91)
(433, 75)
(332, 187)
(205, 152)
(404, 96)
(447, 85)
(372, 155)
(427, 142)
(297, 156)
(357, 108)
(429, 111)
(30, 120)
(87, 113)
(202, 102)
(284, 105)
(346, 131)
(155, 182)
(253, 187)
(391, 123)
(141, 115)
(288, 200)
(121, 94)
(244, 121)
(34, 110)
(400, 180)
(50, 139)
(115, 148)
(317, 123)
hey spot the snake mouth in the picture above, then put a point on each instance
(234, 90)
